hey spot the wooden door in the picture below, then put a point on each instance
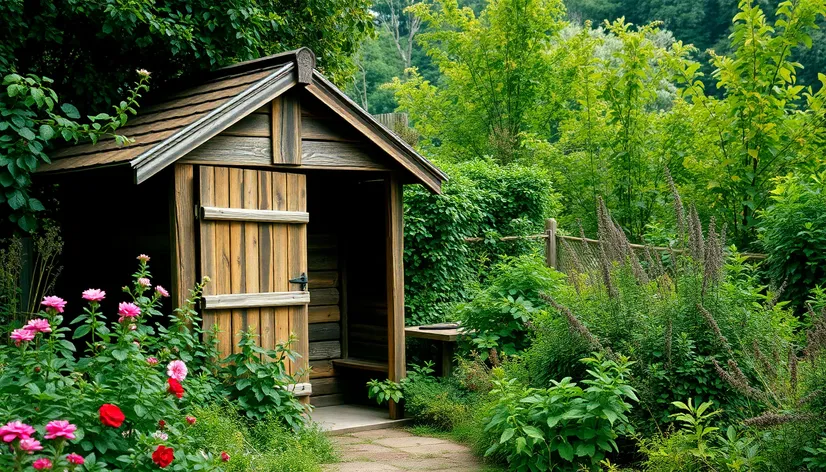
(253, 241)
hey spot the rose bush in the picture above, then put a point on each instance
(127, 401)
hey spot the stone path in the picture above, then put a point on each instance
(396, 449)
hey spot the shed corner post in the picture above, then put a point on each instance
(550, 243)
(395, 286)
(182, 233)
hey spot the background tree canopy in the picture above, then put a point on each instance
(91, 48)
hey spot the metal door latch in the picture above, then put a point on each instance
(301, 280)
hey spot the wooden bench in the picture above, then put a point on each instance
(447, 343)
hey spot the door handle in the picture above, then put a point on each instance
(302, 280)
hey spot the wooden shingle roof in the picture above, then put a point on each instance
(168, 130)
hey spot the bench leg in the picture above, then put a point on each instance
(448, 352)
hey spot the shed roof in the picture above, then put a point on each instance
(166, 131)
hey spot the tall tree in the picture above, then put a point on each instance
(402, 24)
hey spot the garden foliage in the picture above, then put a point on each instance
(793, 234)
(482, 199)
(129, 397)
(563, 426)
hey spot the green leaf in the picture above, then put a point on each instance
(533, 432)
(119, 354)
(27, 133)
(46, 132)
(16, 200)
(140, 410)
(506, 434)
(566, 451)
(70, 111)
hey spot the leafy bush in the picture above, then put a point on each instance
(259, 388)
(793, 233)
(499, 315)
(481, 199)
(563, 426)
(698, 446)
(127, 402)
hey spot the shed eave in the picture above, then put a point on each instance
(176, 146)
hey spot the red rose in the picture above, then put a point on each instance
(110, 415)
(224, 456)
(191, 419)
(163, 456)
(161, 425)
(175, 388)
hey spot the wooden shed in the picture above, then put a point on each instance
(265, 177)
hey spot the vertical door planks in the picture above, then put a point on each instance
(221, 279)
(251, 253)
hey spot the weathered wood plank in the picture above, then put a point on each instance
(251, 254)
(338, 154)
(237, 262)
(322, 369)
(222, 280)
(297, 257)
(324, 296)
(324, 332)
(360, 364)
(286, 129)
(254, 300)
(257, 152)
(323, 279)
(280, 265)
(206, 183)
(250, 215)
(324, 314)
(183, 234)
(327, 129)
(254, 125)
(301, 389)
(325, 350)
(327, 400)
(326, 386)
(265, 260)
(395, 285)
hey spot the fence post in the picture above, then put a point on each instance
(550, 243)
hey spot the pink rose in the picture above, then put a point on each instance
(60, 429)
(38, 325)
(42, 463)
(94, 295)
(128, 310)
(162, 291)
(29, 445)
(54, 302)
(152, 360)
(177, 370)
(143, 258)
(22, 334)
(144, 282)
(15, 430)
(75, 459)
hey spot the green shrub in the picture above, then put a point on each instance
(676, 321)
(564, 426)
(499, 316)
(265, 446)
(481, 199)
(698, 447)
(793, 234)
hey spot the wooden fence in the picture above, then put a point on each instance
(586, 249)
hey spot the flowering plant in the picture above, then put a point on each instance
(124, 404)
